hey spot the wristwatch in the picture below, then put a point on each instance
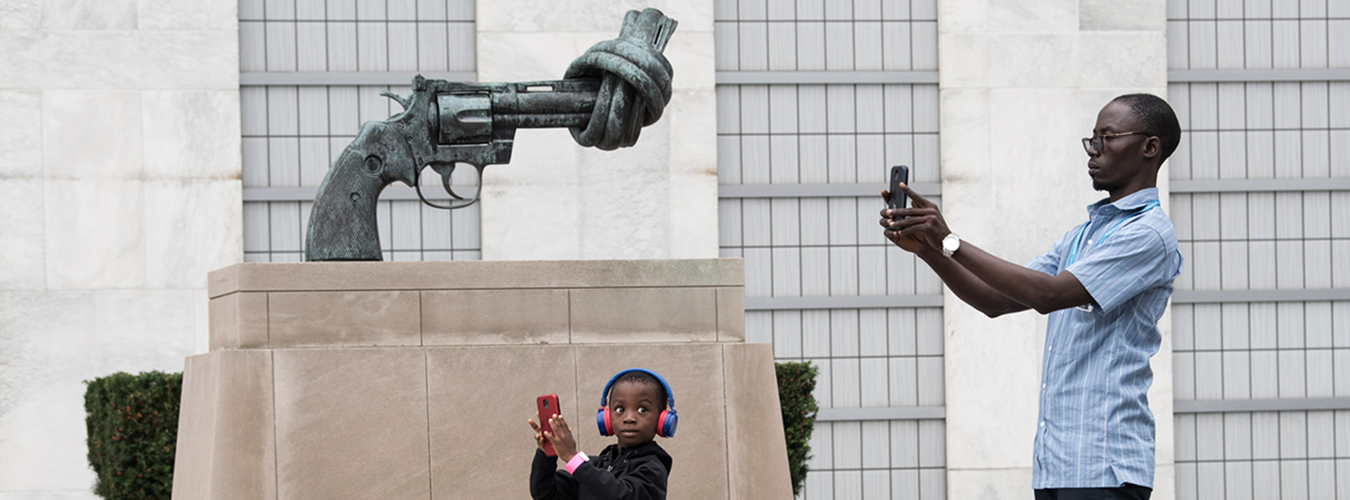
(950, 244)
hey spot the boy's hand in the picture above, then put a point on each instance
(562, 439)
(538, 432)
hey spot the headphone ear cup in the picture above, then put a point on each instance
(602, 421)
(669, 419)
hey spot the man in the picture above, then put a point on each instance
(1104, 284)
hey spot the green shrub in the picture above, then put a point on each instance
(133, 430)
(796, 380)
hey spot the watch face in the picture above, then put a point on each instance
(951, 243)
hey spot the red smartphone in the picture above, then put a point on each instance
(548, 407)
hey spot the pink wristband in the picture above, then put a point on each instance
(576, 461)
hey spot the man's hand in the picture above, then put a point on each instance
(914, 229)
(562, 439)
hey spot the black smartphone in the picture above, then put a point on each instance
(899, 174)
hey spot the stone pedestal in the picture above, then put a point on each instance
(414, 380)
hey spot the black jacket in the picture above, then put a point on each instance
(639, 473)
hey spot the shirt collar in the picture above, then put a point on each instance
(1132, 202)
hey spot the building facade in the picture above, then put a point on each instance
(148, 142)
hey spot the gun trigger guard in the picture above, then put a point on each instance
(445, 181)
(401, 101)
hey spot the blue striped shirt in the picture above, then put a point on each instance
(1095, 428)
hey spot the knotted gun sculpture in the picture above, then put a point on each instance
(606, 97)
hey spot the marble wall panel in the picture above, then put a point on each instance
(1144, 67)
(23, 246)
(144, 330)
(1105, 15)
(70, 494)
(20, 133)
(525, 56)
(970, 70)
(20, 14)
(192, 135)
(691, 56)
(694, 230)
(542, 174)
(120, 60)
(49, 348)
(693, 174)
(1010, 483)
(1039, 17)
(92, 135)
(1164, 481)
(1013, 345)
(190, 230)
(553, 16)
(1032, 60)
(201, 321)
(965, 141)
(89, 14)
(73, 148)
(970, 16)
(210, 15)
(352, 423)
(624, 196)
(79, 212)
(1054, 162)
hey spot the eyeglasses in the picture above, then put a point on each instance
(1097, 142)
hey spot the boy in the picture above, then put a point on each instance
(636, 468)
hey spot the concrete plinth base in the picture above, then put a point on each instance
(414, 380)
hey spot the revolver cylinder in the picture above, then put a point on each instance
(470, 116)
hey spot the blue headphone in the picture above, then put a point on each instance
(666, 421)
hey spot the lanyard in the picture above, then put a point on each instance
(1078, 241)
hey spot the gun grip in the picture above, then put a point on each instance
(342, 225)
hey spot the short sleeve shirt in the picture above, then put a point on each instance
(1095, 428)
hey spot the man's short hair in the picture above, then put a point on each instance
(643, 378)
(1158, 120)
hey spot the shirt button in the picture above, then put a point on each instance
(1050, 348)
(1042, 386)
(1042, 423)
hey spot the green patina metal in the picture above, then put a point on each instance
(606, 97)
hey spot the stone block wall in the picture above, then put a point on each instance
(414, 380)
(119, 191)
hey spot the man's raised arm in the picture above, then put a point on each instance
(992, 285)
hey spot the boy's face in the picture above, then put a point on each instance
(634, 408)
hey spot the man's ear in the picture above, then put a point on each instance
(1152, 147)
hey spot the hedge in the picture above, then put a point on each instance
(796, 381)
(132, 423)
